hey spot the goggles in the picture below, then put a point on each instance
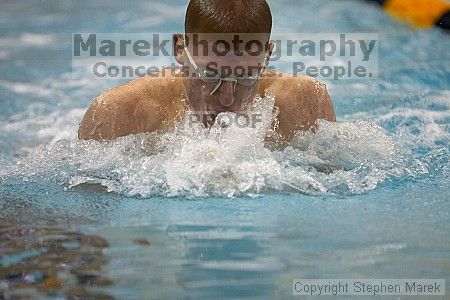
(210, 77)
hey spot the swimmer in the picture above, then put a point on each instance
(149, 104)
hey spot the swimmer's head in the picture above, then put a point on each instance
(223, 52)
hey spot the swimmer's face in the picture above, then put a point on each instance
(238, 70)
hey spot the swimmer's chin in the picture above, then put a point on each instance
(210, 117)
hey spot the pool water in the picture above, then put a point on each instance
(367, 197)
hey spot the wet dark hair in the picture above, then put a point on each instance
(228, 16)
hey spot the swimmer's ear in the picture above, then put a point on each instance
(270, 46)
(178, 47)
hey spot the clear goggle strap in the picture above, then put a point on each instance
(190, 58)
(219, 84)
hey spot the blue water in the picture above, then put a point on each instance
(380, 211)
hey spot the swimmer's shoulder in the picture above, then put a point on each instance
(302, 101)
(144, 104)
(278, 82)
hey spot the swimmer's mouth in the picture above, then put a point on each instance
(209, 117)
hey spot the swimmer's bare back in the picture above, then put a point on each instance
(150, 104)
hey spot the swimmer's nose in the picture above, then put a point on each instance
(226, 94)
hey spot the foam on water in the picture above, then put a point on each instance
(340, 158)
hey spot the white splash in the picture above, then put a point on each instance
(192, 161)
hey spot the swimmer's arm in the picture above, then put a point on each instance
(119, 112)
(303, 101)
(99, 121)
(321, 105)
